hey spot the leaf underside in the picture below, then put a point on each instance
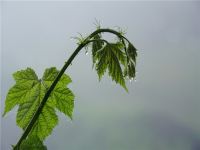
(29, 91)
(119, 59)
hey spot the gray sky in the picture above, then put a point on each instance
(167, 36)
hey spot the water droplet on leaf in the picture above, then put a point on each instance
(86, 52)
(131, 79)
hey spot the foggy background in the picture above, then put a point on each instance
(161, 110)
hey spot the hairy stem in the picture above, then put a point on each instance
(69, 61)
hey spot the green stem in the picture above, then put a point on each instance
(69, 61)
(109, 31)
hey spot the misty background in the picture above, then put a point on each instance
(161, 110)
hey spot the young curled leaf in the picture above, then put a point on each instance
(129, 70)
(96, 46)
(118, 58)
(132, 52)
(110, 58)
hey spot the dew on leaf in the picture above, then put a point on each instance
(131, 79)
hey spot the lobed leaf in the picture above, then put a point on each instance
(119, 60)
(110, 58)
(28, 93)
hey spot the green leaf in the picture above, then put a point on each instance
(117, 48)
(51, 73)
(96, 45)
(25, 80)
(28, 93)
(62, 97)
(25, 76)
(45, 123)
(32, 143)
(119, 60)
(129, 70)
(110, 58)
(132, 52)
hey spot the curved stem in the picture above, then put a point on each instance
(47, 94)
(93, 40)
(109, 31)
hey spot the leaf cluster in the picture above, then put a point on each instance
(118, 58)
